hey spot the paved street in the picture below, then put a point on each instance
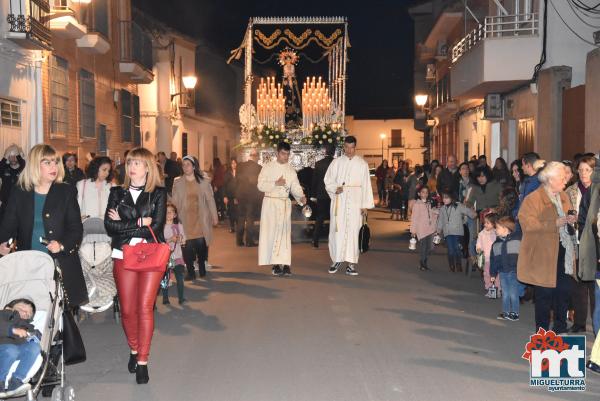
(393, 333)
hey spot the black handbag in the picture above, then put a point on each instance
(73, 348)
(364, 236)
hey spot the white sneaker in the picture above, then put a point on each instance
(351, 270)
(207, 265)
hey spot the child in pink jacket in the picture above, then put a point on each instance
(423, 225)
(485, 239)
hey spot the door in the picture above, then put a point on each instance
(526, 135)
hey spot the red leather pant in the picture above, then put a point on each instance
(137, 293)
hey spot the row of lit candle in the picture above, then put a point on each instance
(270, 103)
(316, 103)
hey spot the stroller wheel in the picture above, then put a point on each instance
(69, 393)
(57, 394)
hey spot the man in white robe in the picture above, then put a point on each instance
(278, 180)
(348, 183)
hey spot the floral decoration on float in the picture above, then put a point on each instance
(324, 134)
(263, 137)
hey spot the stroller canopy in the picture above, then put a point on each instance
(27, 274)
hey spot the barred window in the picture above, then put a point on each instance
(87, 104)
(10, 112)
(59, 96)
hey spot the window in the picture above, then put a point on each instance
(10, 112)
(137, 133)
(101, 16)
(59, 96)
(130, 118)
(397, 139)
(526, 134)
(184, 144)
(87, 105)
(215, 147)
(102, 140)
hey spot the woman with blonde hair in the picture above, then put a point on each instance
(43, 215)
(136, 213)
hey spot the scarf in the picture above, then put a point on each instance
(567, 241)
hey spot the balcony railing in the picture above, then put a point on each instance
(31, 18)
(136, 45)
(497, 27)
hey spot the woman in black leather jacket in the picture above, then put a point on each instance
(134, 208)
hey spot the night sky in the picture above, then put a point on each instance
(381, 34)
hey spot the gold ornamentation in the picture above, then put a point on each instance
(328, 41)
(298, 40)
(268, 40)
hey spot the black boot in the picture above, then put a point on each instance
(451, 263)
(141, 374)
(132, 364)
(458, 263)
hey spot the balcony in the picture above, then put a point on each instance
(28, 24)
(479, 59)
(66, 17)
(93, 43)
(136, 53)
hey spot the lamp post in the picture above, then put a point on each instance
(421, 101)
(382, 136)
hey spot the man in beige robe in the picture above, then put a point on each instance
(278, 180)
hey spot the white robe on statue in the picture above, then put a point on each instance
(346, 218)
(275, 241)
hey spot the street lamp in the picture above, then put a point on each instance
(189, 83)
(382, 136)
(421, 100)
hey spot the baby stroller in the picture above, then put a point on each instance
(97, 265)
(30, 274)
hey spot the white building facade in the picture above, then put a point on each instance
(510, 76)
(386, 139)
(21, 58)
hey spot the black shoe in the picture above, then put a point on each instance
(141, 374)
(351, 270)
(277, 271)
(231, 231)
(287, 271)
(132, 364)
(334, 267)
(502, 316)
(239, 243)
(190, 277)
(423, 267)
(182, 301)
(593, 367)
(577, 329)
(166, 301)
(251, 244)
(514, 317)
(315, 244)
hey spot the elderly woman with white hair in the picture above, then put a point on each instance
(547, 256)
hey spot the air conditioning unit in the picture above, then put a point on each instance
(430, 72)
(493, 107)
(441, 51)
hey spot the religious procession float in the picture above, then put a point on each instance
(287, 96)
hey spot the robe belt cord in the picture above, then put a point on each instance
(335, 209)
